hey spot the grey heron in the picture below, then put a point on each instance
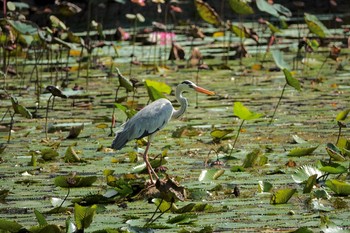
(153, 118)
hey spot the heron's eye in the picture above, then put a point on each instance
(188, 83)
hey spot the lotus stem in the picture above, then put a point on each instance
(278, 103)
(237, 135)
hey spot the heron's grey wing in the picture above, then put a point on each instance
(147, 121)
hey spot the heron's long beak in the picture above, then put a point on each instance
(205, 91)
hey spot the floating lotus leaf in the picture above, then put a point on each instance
(251, 159)
(241, 7)
(74, 181)
(10, 226)
(302, 230)
(40, 218)
(342, 115)
(244, 113)
(311, 181)
(183, 219)
(207, 13)
(218, 134)
(264, 186)
(282, 196)
(272, 28)
(291, 81)
(334, 152)
(332, 168)
(48, 154)
(339, 187)
(57, 23)
(75, 131)
(302, 151)
(164, 206)
(315, 25)
(210, 175)
(83, 215)
(278, 58)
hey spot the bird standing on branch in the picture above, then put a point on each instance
(152, 118)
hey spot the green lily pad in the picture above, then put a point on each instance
(251, 159)
(10, 226)
(183, 219)
(210, 175)
(334, 152)
(207, 13)
(291, 81)
(40, 218)
(74, 181)
(302, 230)
(244, 113)
(311, 181)
(329, 226)
(239, 31)
(282, 196)
(279, 60)
(272, 28)
(332, 168)
(339, 187)
(48, 154)
(218, 134)
(83, 215)
(264, 186)
(342, 115)
(163, 205)
(321, 194)
(302, 151)
(241, 7)
(315, 25)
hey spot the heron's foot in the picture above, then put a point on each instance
(151, 172)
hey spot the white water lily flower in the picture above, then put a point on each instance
(304, 172)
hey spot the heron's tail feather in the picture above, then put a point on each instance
(120, 140)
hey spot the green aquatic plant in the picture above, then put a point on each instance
(17, 109)
(290, 80)
(55, 92)
(244, 114)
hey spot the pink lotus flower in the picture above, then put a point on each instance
(139, 2)
(161, 38)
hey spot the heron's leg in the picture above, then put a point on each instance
(148, 164)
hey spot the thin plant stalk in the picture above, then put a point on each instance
(11, 126)
(64, 200)
(319, 70)
(339, 133)
(113, 122)
(46, 116)
(153, 220)
(228, 45)
(80, 61)
(197, 77)
(133, 45)
(67, 64)
(237, 135)
(340, 125)
(278, 103)
(154, 213)
(3, 117)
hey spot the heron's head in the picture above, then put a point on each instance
(188, 85)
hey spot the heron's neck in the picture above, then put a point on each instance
(183, 102)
